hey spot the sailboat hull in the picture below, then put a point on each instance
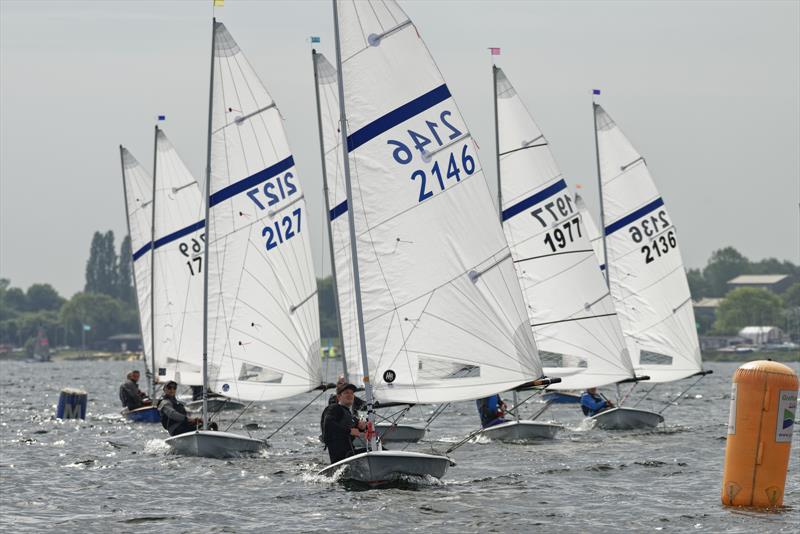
(627, 419)
(145, 414)
(389, 433)
(212, 444)
(377, 468)
(521, 431)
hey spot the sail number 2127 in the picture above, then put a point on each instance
(282, 230)
(438, 174)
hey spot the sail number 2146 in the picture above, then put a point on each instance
(437, 135)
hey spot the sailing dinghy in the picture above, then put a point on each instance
(261, 320)
(644, 270)
(137, 187)
(435, 306)
(569, 306)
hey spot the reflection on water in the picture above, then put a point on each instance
(106, 473)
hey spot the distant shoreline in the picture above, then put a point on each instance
(778, 356)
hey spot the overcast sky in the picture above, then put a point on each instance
(709, 92)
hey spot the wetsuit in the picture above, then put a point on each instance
(490, 410)
(592, 404)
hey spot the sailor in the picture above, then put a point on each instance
(491, 409)
(129, 393)
(358, 403)
(173, 413)
(593, 404)
(340, 425)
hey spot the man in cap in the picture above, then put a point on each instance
(174, 416)
(340, 426)
(358, 403)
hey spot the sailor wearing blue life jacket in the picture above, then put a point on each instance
(593, 404)
(491, 409)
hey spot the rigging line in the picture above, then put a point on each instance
(574, 319)
(238, 416)
(681, 394)
(463, 441)
(377, 18)
(553, 254)
(295, 415)
(523, 148)
(361, 26)
(644, 396)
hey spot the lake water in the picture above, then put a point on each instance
(106, 474)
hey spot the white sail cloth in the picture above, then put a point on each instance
(263, 316)
(178, 269)
(570, 308)
(646, 271)
(444, 316)
(138, 196)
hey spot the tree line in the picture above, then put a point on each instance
(107, 304)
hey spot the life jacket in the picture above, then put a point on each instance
(488, 409)
(588, 412)
(329, 408)
(179, 407)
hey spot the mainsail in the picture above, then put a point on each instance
(177, 264)
(443, 313)
(263, 317)
(569, 305)
(645, 268)
(138, 189)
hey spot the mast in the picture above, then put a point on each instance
(371, 443)
(328, 212)
(153, 268)
(208, 231)
(497, 146)
(151, 385)
(600, 192)
(500, 190)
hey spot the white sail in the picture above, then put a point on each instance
(263, 316)
(569, 305)
(595, 237)
(444, 316)
(138, 199)
(337, 199)
(178, 262)
(646, 271)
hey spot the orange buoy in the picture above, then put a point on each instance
(763, 410)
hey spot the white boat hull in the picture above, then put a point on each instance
(215, 404)
(627, 419)
(382, 467)
(521, 431)
(389, 433)
(213, 444)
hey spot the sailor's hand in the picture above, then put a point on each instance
(354, 432)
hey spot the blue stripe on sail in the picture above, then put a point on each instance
(141, 252)
(339, 209)
(638, 214)
(180, 233)
(242, 185)
(534, 199)
(397, 116)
